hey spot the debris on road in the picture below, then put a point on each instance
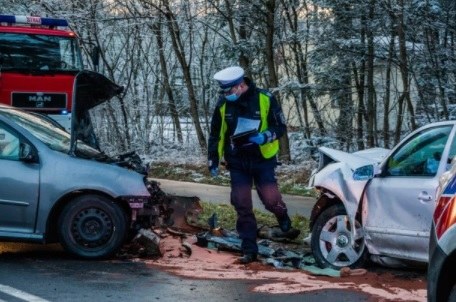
(186, 249)
(181, 254)
(208, 263)
(150, 242)
(276, 234)
(274, 249)
(272, 253)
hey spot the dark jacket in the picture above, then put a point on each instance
(247, 106)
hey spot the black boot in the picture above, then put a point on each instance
(285, 224)
(248, 258)
(288, 231)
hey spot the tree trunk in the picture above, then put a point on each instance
(403, 66)
(371, 114)
(302, 73)
(164, 71)
(179, 50)
(387, 100)
(273, 80)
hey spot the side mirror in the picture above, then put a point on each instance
(27, 153)
(364, 173)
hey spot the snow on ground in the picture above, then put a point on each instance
(303, 155)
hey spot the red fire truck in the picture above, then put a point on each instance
(39, 61)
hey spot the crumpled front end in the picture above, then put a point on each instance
(341, 178)
(337, 171)
(163, 210)
(335, 175)
(336, 181)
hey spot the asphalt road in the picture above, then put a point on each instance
(37, 273)
(219, 194)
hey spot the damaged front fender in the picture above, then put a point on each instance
(345, 175)
(163, 210)
(337, 180)
(341, 179)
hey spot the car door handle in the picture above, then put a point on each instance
(424, 196)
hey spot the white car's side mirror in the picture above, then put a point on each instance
(364, 173)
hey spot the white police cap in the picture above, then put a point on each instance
(229, 77)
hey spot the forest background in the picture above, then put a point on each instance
(350, 74)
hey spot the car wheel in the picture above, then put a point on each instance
(332, 242)
(446, 285)
(92, 226)
(452, 296)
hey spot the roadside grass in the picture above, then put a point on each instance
(290, 182)
(295, 182)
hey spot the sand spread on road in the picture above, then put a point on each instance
(205, 263)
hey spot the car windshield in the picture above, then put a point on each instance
(39, 53)
(421, 154)
(47, 132)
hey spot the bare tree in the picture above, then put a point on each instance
(298, 45)
(164, 8)
(371, 112)
(165, 76)
(270, 37)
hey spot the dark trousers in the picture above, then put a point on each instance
(243, 174)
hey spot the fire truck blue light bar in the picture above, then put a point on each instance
(33, 20)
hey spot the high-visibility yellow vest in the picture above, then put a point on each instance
(268, 150)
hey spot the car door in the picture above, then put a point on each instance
(398, 204)
(19, 189)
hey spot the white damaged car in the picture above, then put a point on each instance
(378, 204)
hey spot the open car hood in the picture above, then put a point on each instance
(356, 159)
(90, 89)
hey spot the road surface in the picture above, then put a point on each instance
(35, 273)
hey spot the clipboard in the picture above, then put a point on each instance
(242, 139)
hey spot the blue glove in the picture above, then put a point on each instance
(258, 139)
(213, 167)
(214, 171)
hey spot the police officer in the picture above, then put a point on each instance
(245, 128)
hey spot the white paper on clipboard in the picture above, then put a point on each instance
(245, 125)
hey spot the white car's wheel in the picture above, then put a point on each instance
(333, 244)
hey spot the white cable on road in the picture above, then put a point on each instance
(11, 291)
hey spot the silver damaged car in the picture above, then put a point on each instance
(377, 204)
(57, 186)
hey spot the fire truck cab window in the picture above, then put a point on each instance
(38, 52)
